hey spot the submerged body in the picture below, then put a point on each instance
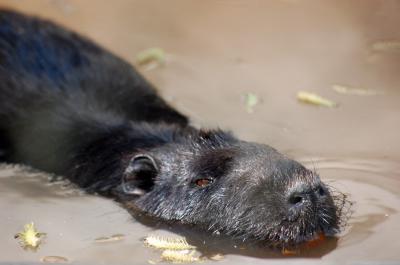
(71, 108)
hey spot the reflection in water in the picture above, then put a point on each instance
(209, 245)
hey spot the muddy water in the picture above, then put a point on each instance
(218, 52)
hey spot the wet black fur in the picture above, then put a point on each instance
(71, 108)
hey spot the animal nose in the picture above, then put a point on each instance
(302, 195)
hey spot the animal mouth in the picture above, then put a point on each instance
(292, 236)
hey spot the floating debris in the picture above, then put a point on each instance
(175, 250)
(158, 242)
(152, 55)
(251, 100)
(30, 238)
(315, 99)
(107, 239)
(53, 259)
(386, 46)
(217, 257)
(179, 256)
(354, 91)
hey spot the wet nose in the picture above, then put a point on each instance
(302, 195)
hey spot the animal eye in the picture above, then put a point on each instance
(203, 182)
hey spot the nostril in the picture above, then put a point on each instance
(296, 199)
(321, 191)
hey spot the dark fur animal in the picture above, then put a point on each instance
(71, 108)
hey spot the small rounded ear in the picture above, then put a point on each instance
(140, 174)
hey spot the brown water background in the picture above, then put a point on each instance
(217, 52)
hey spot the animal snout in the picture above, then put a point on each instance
(302, 198)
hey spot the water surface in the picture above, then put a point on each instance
(219, 51)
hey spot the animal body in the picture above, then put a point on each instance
(69, 107)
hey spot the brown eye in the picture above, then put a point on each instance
(203, 182)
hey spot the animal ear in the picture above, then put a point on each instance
(139, 176)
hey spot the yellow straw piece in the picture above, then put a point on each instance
(314, 99)
(158, 242)
(179, 256)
